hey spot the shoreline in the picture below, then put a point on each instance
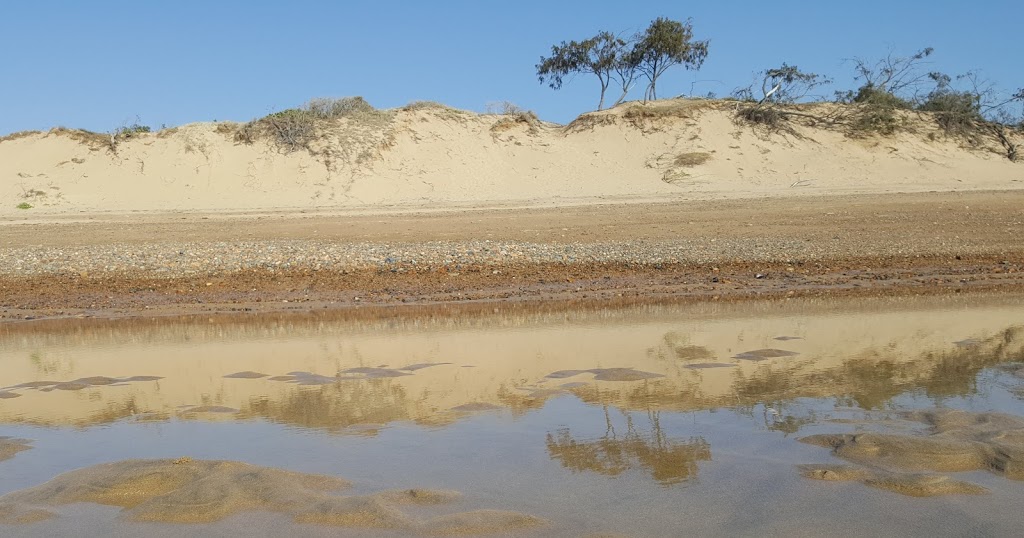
(855, 245)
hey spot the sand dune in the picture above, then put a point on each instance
(438, 156)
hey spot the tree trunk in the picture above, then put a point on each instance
(1011, 148)
(625, 91)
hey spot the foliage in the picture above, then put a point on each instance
(887, 86)
(780, 87)
(664, 44)
(788, 84)
(956, 111)
(894, 75)
(599, 55)
(24, 205)
(129, 131)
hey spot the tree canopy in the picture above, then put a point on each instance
(664, 44)
(667, 43)
(598, 55)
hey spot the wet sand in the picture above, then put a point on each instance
(165, 264)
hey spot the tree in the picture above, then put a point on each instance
(600, 55)
(664, 44)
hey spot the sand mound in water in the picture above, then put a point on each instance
(481, 522)
(76, 384)
(958, 441)
(9, 447)
(192, 491)
(607, 374)
(914, 485)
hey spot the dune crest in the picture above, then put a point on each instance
(432, 155)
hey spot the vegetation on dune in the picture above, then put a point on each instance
(17, 135)
(664, 44)
(891, 91)
(296, 128)
(893, 94)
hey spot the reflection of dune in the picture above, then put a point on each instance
(354, 370)
(334, 407)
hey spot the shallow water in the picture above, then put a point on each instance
(651, 420)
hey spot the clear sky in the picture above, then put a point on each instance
(100, 64)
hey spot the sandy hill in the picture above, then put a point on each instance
(431, 155)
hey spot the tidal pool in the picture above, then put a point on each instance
(797, 417)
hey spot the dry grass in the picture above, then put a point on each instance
(692, 159)
(164, 133)
(426, 105)
(439, 110)
(504, 108)
(17, 135)
(227, 128)
(641, 113)
(647, 117)
(519, 119)
(590, 121)
(94, 141)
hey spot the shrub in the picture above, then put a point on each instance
(504, 108)
(128, 131)
(956, 112)
(869, 95)
(767, 116)
(296, 128)
(526, 118)
(425, 105)
(326, 108)
(24, 205)
(875, 110)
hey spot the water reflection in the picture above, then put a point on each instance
(351, 374)
(646, 447)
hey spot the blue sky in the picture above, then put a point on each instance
(100, 64)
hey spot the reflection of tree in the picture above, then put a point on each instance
(869, 382)
(955, 373)
(50, 366)
(777, 419)
(522, 402)
(668, 461)
(335, 406)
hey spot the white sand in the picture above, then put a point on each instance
(439, 157)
